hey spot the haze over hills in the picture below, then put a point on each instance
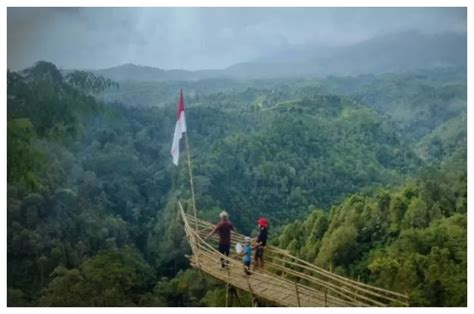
(389, 53)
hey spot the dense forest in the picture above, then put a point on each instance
(363, 175)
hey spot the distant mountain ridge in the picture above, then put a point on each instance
(389, 53)
(135, 72)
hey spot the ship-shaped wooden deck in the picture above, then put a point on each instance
(286, 279)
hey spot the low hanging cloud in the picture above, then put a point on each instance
(201, 38)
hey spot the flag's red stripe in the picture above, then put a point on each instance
(180, 104)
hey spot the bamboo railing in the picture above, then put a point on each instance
(286, 280)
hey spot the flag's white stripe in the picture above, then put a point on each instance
(183, 122)
(178, 133)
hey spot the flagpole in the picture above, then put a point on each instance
(191, 179)
(178, 133)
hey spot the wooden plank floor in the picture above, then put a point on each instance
(263, 284)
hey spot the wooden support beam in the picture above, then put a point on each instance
(297, 294)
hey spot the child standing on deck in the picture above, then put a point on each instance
(247, 259)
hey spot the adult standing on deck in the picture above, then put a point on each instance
(223, 227)
(261, 242)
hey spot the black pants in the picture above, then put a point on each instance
(224, 249)
(259, 251)
(259, 256)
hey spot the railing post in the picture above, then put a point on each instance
(227, 288)
(357, 290)
(297, 294)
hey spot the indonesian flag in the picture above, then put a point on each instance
(179, 129)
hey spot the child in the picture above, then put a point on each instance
(247, 259)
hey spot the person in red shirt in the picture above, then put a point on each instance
(262, 224)
(223, 228)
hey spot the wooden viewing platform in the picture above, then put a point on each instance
(286, 279)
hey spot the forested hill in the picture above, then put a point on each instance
(412, 238)
(91, 189)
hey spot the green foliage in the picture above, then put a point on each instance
(430, 264)
(295, 235)
(412, 239)
(88, 82)
(418, 102)
(53, 107)
(340, 248)
(189, 288)
(40, 105)
(23, 159)
(327, 152)
(111, 278)
(445, 140)
(417, 215)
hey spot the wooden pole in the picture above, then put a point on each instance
(254, 297)
(234, 291)
(227, 295)
(231, 302)
(191, 238)
(191, 179)
(227, 289)
(357, 290)
(297, 294)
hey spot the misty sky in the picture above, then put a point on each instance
(200, 38)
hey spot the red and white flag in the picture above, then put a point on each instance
(179, 129)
